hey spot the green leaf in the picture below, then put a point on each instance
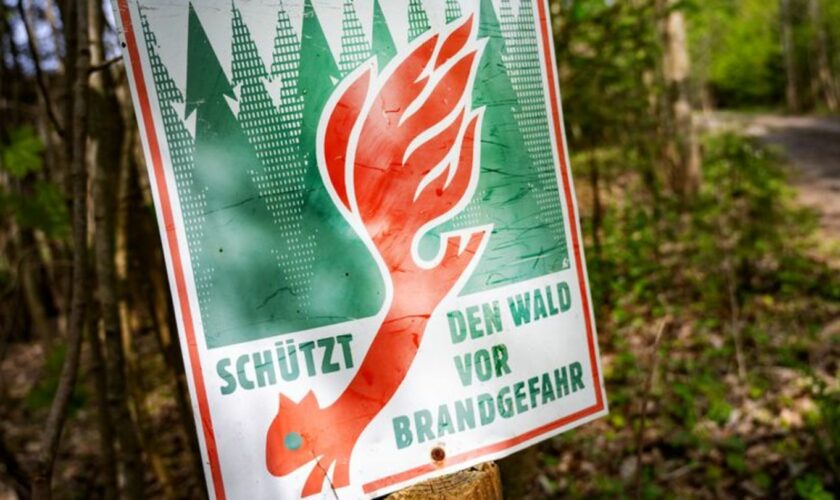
(23, 154)
(811, 487)
(42, 209)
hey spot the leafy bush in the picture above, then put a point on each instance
(38, 204)
(733, 273)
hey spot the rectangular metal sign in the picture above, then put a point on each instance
(371, 235)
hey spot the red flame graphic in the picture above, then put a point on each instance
(399, 153)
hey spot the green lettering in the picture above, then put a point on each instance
(565, 296)
(240, 372)
(552, 307)
(463, 364)
(457, 326)
(492, 317)
(576, 372)
(483, 365)
(423, 424)
(534, 390)
(500, 359)
(519, 394)
(473, 320)
(327, 366)
(402, 431)
(547, 389)
(444, 421)
(230, 382)
(486, 409)
(561, 382)
(287, 360)
(344, 342)
(539, 306)
(505, 403)
(264, 368)
(520, 309)
(465, 414)
(306, 348)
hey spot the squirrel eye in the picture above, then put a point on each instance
(292, 441)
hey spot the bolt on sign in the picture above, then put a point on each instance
(371, 235)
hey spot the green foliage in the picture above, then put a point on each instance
(825, 422)
(745, 198)
(31, 202)
(737, 55)
(738, 255)
(811, 488)
(742, 232)
(609, 51)
(42, 209)
(22, 155)
(736, 51)
(41, 395)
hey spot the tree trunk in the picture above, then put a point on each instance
(789, 54)
(45, 460)
(172, 354)
(827, 84)
(108, 136)
(98, 376)
(682, 147)
(597, 209)
(44, 328)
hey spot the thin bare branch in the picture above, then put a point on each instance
(105, 65)
(39, 73)
(653, 362)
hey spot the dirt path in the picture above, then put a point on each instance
(812, 147)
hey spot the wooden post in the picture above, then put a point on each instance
(481, 482)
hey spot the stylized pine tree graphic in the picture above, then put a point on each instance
(507, 22)
(299, 257)
(308, 229)
(318, 75)
(260, 120)
(523, 62)
(248, 296)
(522, 245)
(345, 266)
(383, 44)
(418, 20)
(257, 215)
(181, 149)
(453, 10)
(354, 46)
(281, 183)
(285, 64)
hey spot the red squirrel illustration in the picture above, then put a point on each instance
(399, 154)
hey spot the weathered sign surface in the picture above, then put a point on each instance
(371, 235)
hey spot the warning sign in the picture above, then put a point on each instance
(371, 235)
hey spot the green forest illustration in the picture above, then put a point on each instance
(270, 252)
